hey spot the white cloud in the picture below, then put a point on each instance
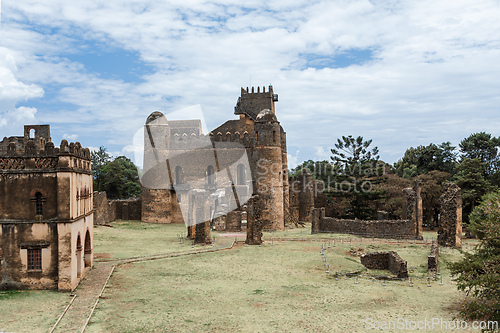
(70, 137)
(433, 62)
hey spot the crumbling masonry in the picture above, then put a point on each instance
(450, 222)
(410, 227)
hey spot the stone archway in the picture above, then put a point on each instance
(87, 250)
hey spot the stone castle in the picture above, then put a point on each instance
(46, 212)
(191, 177)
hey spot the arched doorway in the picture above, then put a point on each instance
(88, 250)
(78, 256)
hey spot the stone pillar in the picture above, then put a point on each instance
(233, 221)
(412, 209)
(316, 217)
(199, 217)
(419, 212)
(255, 223)
(450, 223)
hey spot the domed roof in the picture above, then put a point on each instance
(157, 118)
(265, 116)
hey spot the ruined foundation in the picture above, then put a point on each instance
(386, 260)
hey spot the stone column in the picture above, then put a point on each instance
(255, 224)
(450, 223)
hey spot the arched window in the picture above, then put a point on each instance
(38, 203)
(78, 256)
(178, 175)
(241, 175)
(274, 136)
(32, 133)
(210, 175)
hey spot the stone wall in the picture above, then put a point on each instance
(233, 221)
(410, 227)
(125, 209)
(370, 228)
(450, 222)
(386, 260)
(101, 208)
(106, 210)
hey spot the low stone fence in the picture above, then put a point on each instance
(386, 260)
(371, 228)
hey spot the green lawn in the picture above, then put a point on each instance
(281, 286)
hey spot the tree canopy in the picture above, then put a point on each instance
(118, 177)
(423, 159)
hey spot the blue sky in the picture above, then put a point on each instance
(401, 73)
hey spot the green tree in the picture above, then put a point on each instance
(99, 159)
(479, 271)
(471, 179)
(423, 159)
(357, 169)
(120, 179)
(484, 147)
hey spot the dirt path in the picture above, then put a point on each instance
(87, 293)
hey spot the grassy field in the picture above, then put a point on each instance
(281, 286)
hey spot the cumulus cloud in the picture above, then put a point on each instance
(425, 64)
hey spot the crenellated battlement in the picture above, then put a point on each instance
(251, 102)
(39, 152)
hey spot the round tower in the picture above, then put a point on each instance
(268, 165)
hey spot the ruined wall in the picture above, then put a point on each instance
(370, 228)
(410, 227)
(101, 212)
(106, 210)
(125, 209)
(233, 221)
(450, 223)
(386, 260)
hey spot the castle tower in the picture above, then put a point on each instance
(268, 168)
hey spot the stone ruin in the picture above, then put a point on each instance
(410, 227)
(255, 221)
(386, 260)
(432, 259)
(106, 210)
(412, 209)
(199, 217)
(450, 222)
